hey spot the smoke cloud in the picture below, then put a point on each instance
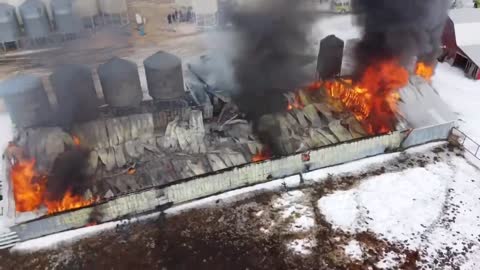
(272, 37)
(272, 34)
(400, 29)
(68, 174)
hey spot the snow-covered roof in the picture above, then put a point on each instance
(466, 34)
(464, 15)
(473, 52)
(466, 22)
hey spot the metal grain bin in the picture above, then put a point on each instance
(26, 101)
(164, 76)
(75, 91)
(86, 10)
(65, 21)
(120, 83)
(9, 30)
(330, 57)
(34, 17)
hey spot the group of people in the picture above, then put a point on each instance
(180, 16)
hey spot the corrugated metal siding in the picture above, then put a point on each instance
(132, 204)
(428, 134)
(264, 171)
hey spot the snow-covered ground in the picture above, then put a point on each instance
(434, 210)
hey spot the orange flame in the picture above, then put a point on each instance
(69, 201)
(261, 155)
(423, 70)
(29, 191)
(28, 188)
(296, 103)
(76, 140)
(373, 100)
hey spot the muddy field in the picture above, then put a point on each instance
(267, 230)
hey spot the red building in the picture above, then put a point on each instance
(461, 39)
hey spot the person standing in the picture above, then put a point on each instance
(169, 18)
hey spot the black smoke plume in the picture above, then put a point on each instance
(68, 174)
(399, 29)
(272, 36)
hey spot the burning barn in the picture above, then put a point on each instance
(121, 161)
(200, 136)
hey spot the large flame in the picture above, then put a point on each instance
(28, 188)
(30, 193)
(424, 70)
(69, 201)
(373, 99)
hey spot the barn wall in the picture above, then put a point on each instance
(229, 179)
(271, 169)
(122, 206)
(449, 39)
(423, 135)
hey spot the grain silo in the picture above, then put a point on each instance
(87, 11)
(35, 20)
(65, 21)
(120, 83)
(75, 91)
(330, 56)
(26, 101)
(114, 11)
(205, 12)
(164, 76)
(9, 29)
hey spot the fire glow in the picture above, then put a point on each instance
(373, 99)
(423, 70)
(30, 190)
(261, 155)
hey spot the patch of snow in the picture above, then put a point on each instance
(55, 241)
(391, 260)
(340, 209)
(462, 95)
(403, 204)
(432, 209)
(353, 250)
(473, 261)
(294, 205)
(393, 205)
(302, 246)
